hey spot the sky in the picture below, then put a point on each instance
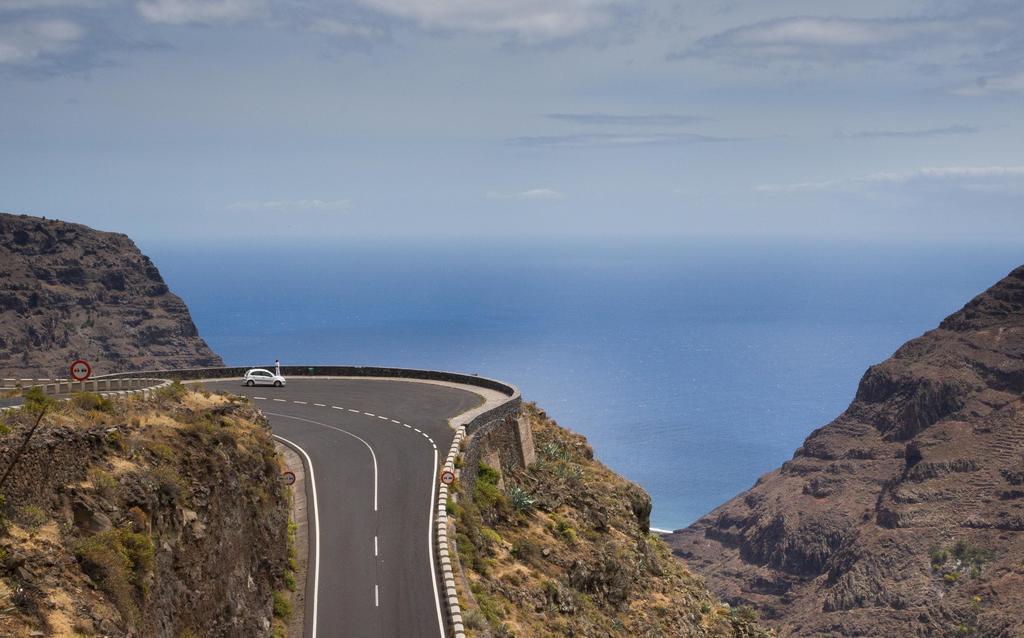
(309, 120)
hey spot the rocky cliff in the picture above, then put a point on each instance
(144, 518)
(563, 548)
(905, 515)
(68, 291)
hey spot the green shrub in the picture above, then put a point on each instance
(526, 551)
(490, 536)
(487, 474)
(92, 402)
(475, 620)
(282, 606)
(32, 516)
(554, 452)
(104, 484)
(489, 605)
(970, 555)
(160, 450)
(520, 499)
(168, 482)
(743, 613)
(116, 441)
(173, 392)
(452, 508)
(938, 557)
(118, 561)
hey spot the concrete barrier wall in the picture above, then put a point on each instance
(327, 371)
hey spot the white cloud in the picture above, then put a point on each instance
(295, 205)
(979, 178)
(338, 28)
(956, 129)
(613, 140)
(1009, 83)
(199, 11)
(22, 43)
(817, 39)
(21, 5)
(529, 19)
(536, 194)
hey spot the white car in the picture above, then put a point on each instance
(259, 376)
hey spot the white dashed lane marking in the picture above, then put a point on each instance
(338, 407)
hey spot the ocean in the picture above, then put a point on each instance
(692, 366)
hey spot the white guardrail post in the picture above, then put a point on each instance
(443, 550)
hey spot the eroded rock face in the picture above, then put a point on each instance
(68, 291)
(904, 516)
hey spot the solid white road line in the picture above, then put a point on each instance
(430, 546)
(360, 439)
(430, 518)
(316, 528)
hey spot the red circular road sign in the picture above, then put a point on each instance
(447, 477)
(80, 370)
(288, 478)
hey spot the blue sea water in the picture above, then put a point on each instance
(693, 367)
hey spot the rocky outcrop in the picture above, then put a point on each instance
(68, 291)
(562, 547)
(905, 515)
(161, 518)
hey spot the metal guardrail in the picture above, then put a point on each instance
(66, 386)
(143, 386)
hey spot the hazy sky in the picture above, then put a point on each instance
(307, 118)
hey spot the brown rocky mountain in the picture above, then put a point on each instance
(68, 291)
(905, 515)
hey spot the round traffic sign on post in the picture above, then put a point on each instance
(288, 478)
(80, 370)
(447, 477)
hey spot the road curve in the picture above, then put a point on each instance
(374, 446)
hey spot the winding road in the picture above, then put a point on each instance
(374, 447)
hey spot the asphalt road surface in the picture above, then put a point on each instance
(374, 446)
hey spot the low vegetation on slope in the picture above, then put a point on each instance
(564, 549)
(159, 517)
